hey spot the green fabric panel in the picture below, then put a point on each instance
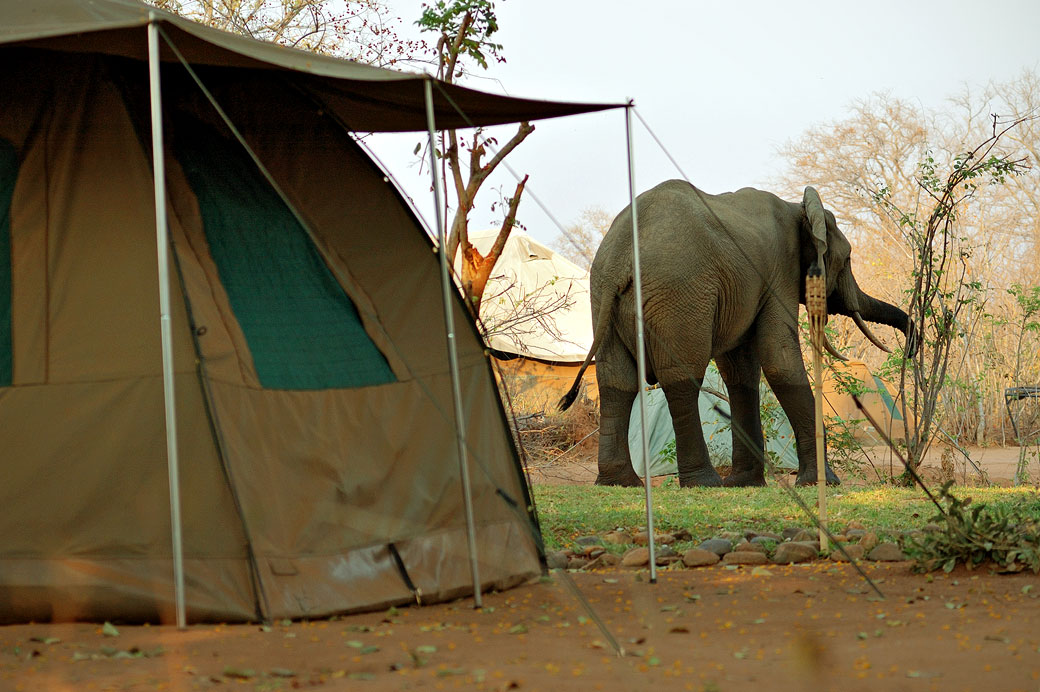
(887, 399)
(8, 176)
(303, 330)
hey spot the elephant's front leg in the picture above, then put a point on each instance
(615, 459)
(741, 373)
(691, 452)
(784, 370)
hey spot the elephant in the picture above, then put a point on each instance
(722, 277)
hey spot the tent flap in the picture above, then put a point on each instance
(302, 329)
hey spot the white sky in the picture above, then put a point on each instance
(722, 84)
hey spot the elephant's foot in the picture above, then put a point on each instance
(705, 478)
(745, 479)
(629, 479)
(809, 477)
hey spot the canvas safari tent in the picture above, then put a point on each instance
(537, 318)
(306, 362)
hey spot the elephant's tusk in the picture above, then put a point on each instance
(833, 351)
(866, 332)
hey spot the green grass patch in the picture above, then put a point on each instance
(569, 511)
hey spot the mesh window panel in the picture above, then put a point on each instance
(303, 330)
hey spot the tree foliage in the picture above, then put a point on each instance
(580, 240)
(879, 169)
(361, 30)
(464, 29)
(942, 294)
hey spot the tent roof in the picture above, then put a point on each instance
(368, 99)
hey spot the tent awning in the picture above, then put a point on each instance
(368, 99)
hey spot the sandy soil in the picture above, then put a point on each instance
(785, 628)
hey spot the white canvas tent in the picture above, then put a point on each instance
(301, 370)
(538, 318)
(536, 302)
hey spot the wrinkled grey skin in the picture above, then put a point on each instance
(730, 295)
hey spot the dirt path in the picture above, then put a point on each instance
(998, 463)
(787, 628)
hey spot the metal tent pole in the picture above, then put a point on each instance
(640, 347)
(162, 249)
(447, 287)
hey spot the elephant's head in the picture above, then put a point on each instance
(825, 246)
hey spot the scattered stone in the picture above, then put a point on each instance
(854, 550)
(766, 536)
(557, 559)
(791, 551)
(732, 536)
(768, 541)
(806, 535)
(618, 538)
(665, 560)
(664, 538)
(745, 557)
(604, 561)
(593, 551)
(855, 524)
(664, 550)
(577, 563)
(682, 535)
(698, 557)
(719, 546)
(886, 552)
(751, 547)
(790, 532)
(636, 557)
(589, 540)
(868, 540)
(641, 538)
(855, 533)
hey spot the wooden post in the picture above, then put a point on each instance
(816, 307)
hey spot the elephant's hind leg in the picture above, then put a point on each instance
(615, 459)
(691, 452)
(741, 373)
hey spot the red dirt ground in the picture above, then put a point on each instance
(801, 627)
(788, 628)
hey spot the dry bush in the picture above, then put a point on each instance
(547, 435)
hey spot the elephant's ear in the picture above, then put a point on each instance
(817, 223)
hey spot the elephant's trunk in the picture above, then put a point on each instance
(849, 300)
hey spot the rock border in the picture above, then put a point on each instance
(795, 544)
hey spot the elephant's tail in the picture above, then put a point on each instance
(572, 393)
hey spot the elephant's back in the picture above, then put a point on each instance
(703, 256)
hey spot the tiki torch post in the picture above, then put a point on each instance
(816, 308)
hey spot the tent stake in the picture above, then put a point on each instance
(162, 249)
(453, 358)
(637, 279)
